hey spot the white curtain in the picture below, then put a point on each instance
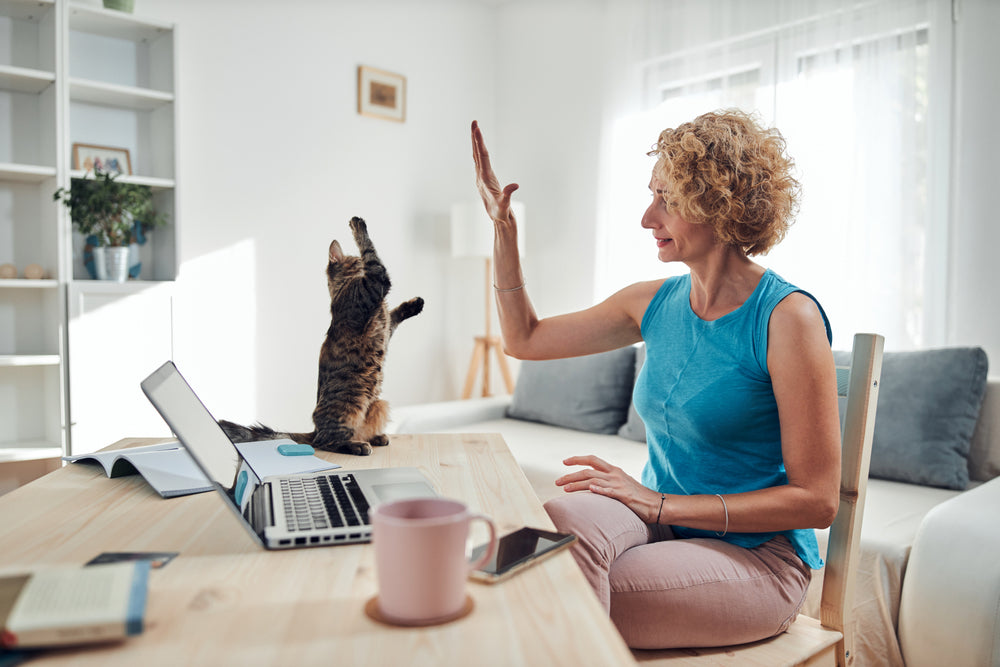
(861, 92)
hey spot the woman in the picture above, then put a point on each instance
(738, 393)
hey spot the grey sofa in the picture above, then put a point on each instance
(928, 589)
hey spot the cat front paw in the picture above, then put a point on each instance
(339, 440)
(353, 447)
(412, 307)
(359, 227)
(380, 440)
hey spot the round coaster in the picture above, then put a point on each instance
(373, 612)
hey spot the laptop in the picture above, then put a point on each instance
(281, 511)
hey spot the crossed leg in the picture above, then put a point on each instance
(663, 592)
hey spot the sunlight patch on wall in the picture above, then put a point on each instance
(215, 334)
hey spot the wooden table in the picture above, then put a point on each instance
(225, 601)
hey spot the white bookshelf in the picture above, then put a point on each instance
(74, 72)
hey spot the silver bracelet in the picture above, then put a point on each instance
(512, 289)
(726, 510)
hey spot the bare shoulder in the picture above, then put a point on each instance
(635, 298)
(797, 329)
(794, 314)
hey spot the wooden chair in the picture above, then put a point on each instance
(829, 640)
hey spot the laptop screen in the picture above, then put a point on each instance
(193, 424)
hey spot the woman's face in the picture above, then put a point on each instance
(677, 240)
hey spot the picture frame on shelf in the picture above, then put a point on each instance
(90, 157)
(381, 94)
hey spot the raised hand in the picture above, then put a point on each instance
(495, 198)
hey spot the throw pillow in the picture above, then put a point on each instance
(590, 393)
(634, 428)
(928, 406)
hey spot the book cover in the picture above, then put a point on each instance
(73, 605)
(165, 466)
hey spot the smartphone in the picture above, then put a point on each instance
(518, 550)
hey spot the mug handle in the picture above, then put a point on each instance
(492, 547)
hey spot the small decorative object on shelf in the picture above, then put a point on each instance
(89, 157)
(8, 271)
(107, 212)
(34, 272)
(120, 5)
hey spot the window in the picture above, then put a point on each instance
(853, 92)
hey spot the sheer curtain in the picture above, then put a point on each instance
(861, 92)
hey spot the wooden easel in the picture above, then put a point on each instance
(481, 352)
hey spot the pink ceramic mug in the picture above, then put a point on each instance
(420, 558)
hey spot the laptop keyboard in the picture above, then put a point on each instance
(323, 502)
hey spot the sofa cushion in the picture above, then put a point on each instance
(928, 405)
(634, 428)
(590, 393)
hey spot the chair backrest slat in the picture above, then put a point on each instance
(862, 382)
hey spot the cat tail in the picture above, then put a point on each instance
(239, 433)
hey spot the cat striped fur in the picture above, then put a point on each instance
(349, 416)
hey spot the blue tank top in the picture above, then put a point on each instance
(705, 395)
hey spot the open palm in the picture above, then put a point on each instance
(495, 198)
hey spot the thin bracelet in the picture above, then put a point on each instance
(512, 289)
(662, 496)
(726, 510)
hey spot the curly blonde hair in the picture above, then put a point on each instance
(726, 170)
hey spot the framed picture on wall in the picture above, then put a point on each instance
(381, 94)
(89, 157)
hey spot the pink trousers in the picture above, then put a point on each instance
(665, 592)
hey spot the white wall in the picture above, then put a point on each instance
(549, 108)
(274, 159)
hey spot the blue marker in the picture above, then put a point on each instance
(295, 450)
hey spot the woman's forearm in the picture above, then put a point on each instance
(767, 510)
(517, 316)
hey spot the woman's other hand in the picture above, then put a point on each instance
(607, 480)
(495, 198)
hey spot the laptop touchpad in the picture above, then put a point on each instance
(403, 490)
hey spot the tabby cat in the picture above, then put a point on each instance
(349, 416)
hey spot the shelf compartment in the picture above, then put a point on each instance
(30, 327)
(148, 135)
(31, 408)
(30, 59)
(120, 49)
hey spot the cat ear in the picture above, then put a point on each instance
(336, 254)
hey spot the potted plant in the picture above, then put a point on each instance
(109, 214)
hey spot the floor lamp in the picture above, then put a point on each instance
(472, 236)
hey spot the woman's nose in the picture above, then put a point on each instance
(648, 221)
